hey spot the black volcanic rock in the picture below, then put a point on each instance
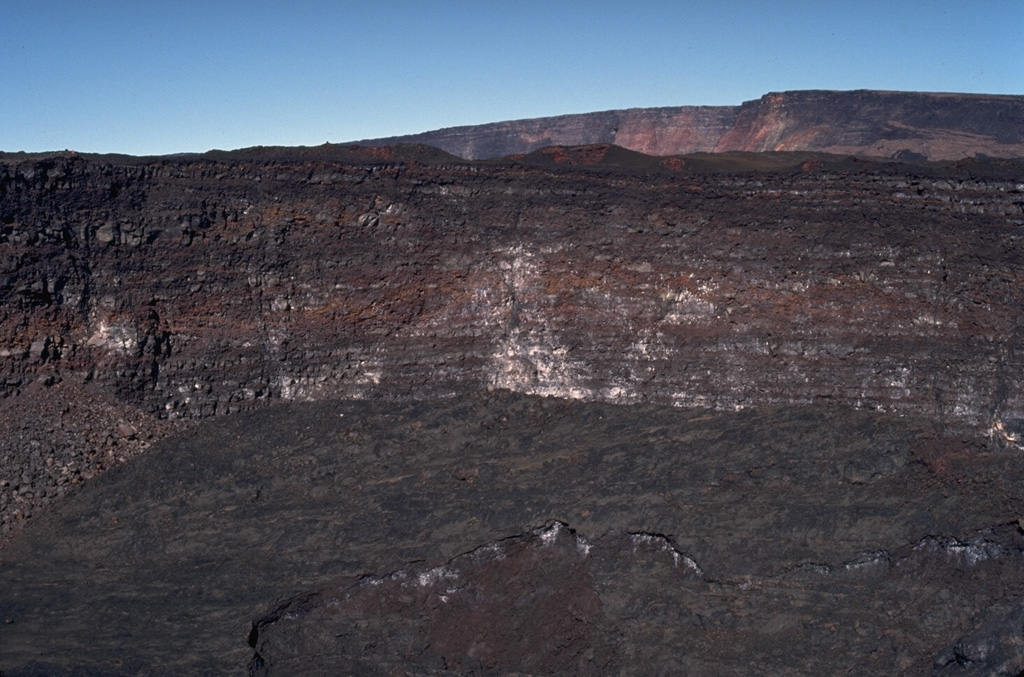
(508, 532)
(524, 603)
(862, 122)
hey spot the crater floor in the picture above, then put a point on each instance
(503, 532)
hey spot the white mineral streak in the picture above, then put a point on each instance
(998, 430)
(525, 363)
(359, 371)
(302, 388)
(374, 581)
(367, 370)
(531, 354)
(435, 575)
(687, 307)
(662, 544)
(970, 553)
(116, 338)
(548, 535)
(492, 551)
(868, 560)
(533, 361)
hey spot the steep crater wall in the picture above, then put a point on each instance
(196, 288)
(922, 125)
(188, 288)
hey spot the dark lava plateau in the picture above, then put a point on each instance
(578, 410)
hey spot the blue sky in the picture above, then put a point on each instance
(157, 77)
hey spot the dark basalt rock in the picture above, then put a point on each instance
(554, 602)
(523, 604)
(994, 645)
(563, 536)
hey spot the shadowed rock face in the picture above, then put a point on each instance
(881, 124)
(515, 533)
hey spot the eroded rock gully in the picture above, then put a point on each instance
(833, 350)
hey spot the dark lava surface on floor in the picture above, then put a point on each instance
(503, 533)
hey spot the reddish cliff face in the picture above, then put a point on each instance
(879, 124)
(673, 131)
(884, 124)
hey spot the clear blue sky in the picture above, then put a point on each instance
(166, 76)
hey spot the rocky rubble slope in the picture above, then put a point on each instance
(186, 288)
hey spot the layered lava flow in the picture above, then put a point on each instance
(182, 289)
(193, 288)
(138, 296)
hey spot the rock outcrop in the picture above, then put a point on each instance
(909, 125)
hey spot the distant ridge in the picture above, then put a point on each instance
(903, 125)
